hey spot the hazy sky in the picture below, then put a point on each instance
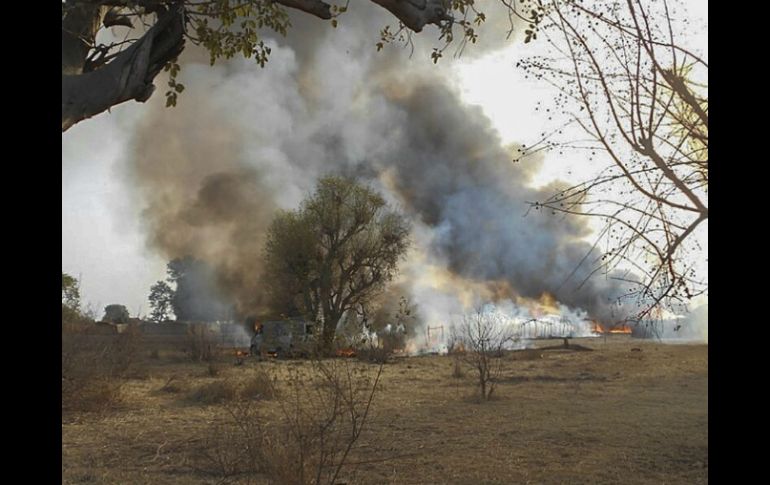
(103, 240)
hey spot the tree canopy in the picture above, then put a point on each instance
(97, 76)
(161, 299)
(334, 253)
(70, 298)
(70, 292)
(116, 313)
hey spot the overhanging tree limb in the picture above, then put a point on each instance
(224, 28)
(314, 7)
(416, 14)
(129, 76)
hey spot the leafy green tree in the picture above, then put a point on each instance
(333, 254)
(70, 292)
(161, 297)
(116, 314)
(70, 299)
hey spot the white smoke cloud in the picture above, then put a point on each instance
(327, 102)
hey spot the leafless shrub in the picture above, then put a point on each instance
(453, 345)
(374, 353)
(233, 446)
(457, 368)
(214, 392)
(100, 394)
(633, 96)
(173, 385)
(483, 336)
(121, 356)
(259, 386)
(94, 365)
(200, 343)
(321, 415)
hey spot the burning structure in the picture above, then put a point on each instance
(211, 184)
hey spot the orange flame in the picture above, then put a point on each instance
(617, 329)
(346, 353)
(544, 305)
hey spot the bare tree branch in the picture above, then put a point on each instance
(620, 63)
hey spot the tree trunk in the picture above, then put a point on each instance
(483, 385)
(128, 76)
(327, 336)
(314, 7)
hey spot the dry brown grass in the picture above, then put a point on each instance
(608, 416)
(201, 343)
(258, 386)
(94, 365)
(304, 439)
(173, 385)
(457, 368)
(219, 391)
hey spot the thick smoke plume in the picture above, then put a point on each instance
(201, 201)
(244, 142)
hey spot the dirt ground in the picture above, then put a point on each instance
(630, 411)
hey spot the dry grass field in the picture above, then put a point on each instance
(628, 412)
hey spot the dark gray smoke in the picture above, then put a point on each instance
(197, 296)
(451, 172)
(245, 141)
(201, 199)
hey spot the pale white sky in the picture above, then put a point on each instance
(509, 100)
(102, 238)
(102, 241)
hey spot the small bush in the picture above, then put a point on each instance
(258, 386)
(173, 386)
(200, 343)
(483, 337)
(94, 364)
(214, 392)
(457, 369)
(377, 355)
(322, 415)
(97, 396)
